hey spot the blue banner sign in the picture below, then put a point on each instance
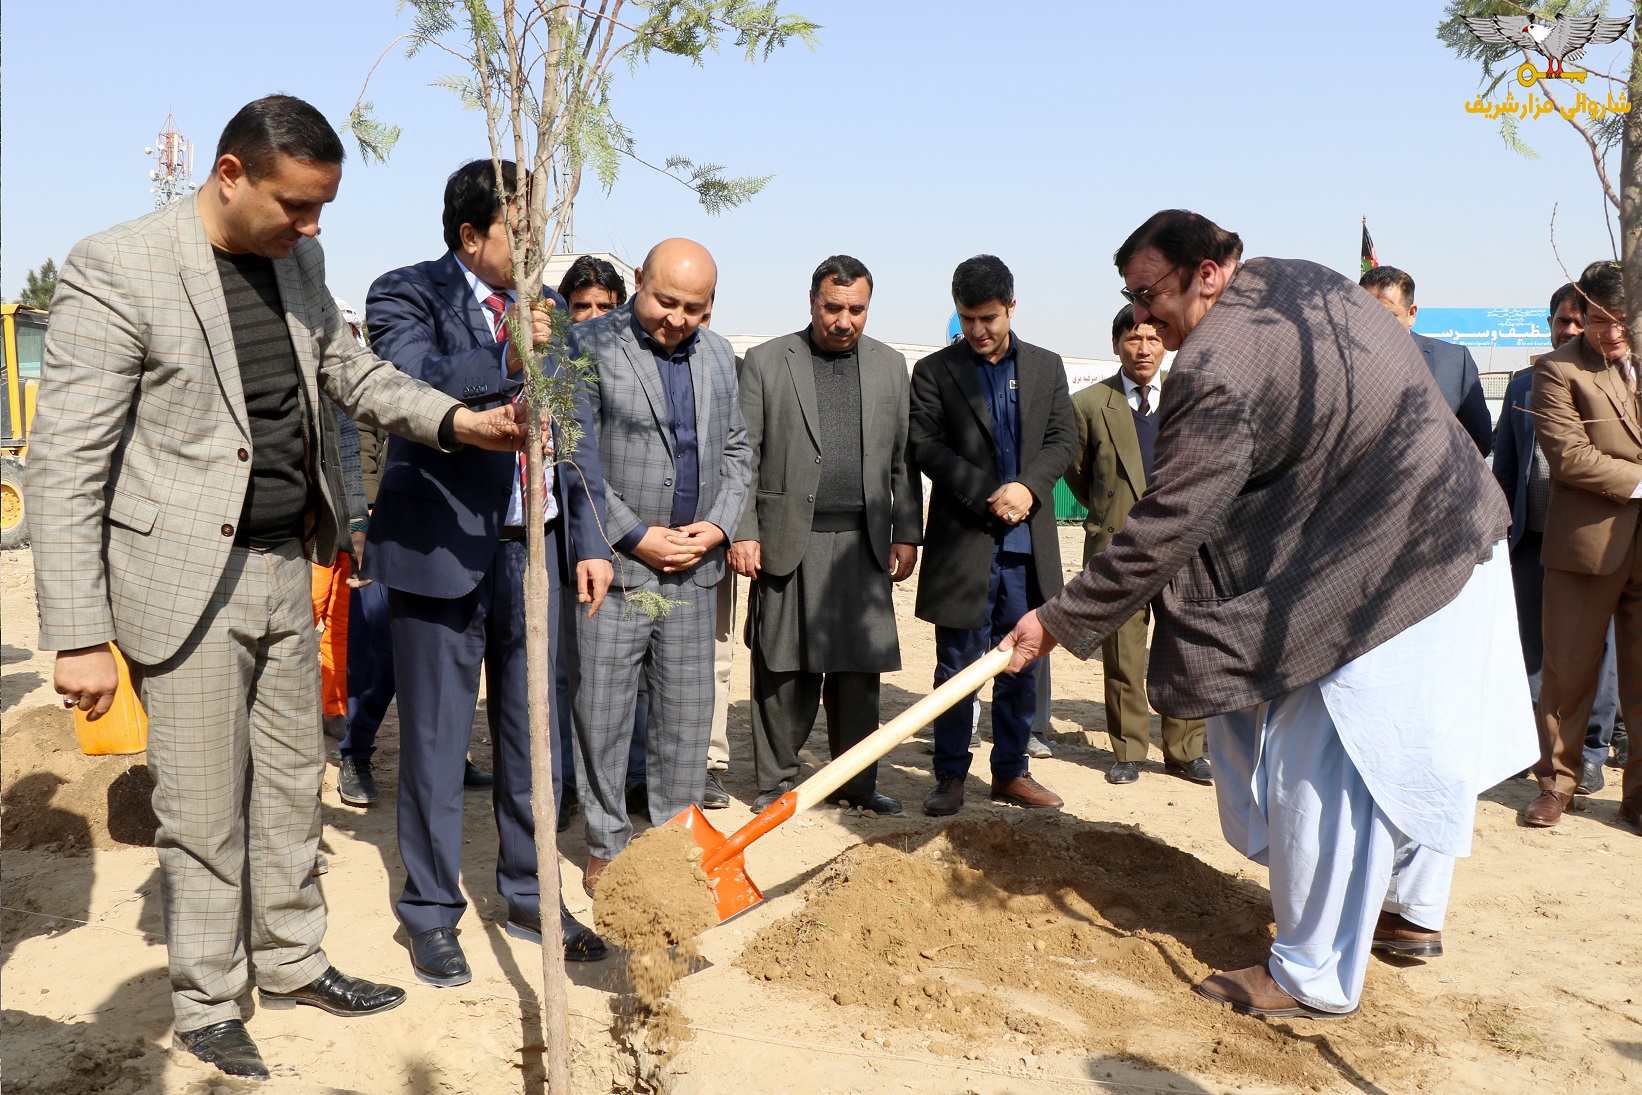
(1486, 327)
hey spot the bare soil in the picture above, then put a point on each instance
(1000, 951)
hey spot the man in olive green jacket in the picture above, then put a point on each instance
(1117, 430)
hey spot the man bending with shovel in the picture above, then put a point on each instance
(1332, 593)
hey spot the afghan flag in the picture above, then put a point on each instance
(1370, 259)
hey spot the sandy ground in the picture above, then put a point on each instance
(1541, 986)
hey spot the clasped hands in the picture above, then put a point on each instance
(1011, 503)
(671, 550)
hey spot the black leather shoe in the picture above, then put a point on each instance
(1124, 771)
(766, 799)
(1591, 779)
(580, 942)
(1198, 770)
(354, 783)
(337, 993)
(437, 958)
(882, 805)
(947, 798)
(226, 1047)
(568, 805)
(638, 800)
(475, 776)
(1621, 748)
(714, 796)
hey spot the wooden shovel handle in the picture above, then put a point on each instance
(816, 789)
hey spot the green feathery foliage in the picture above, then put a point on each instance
(375, 138)
(39, 286)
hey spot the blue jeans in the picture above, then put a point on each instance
(1012, 591)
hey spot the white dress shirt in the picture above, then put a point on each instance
(1131, 391)
(515, 502)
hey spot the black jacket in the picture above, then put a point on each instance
(949, 439)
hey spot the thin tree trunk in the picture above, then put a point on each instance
(543, 749)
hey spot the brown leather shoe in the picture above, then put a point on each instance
(946, 799)
(1546, 810)
(590, 876)
(1253, 992)
(1396, 934)
(1631, 814)
(1027, 792)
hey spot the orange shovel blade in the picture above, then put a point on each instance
(722, 857)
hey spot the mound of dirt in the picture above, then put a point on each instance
(58, 799)
(1054, 933)
(654, 901)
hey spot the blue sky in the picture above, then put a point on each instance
(916, 135)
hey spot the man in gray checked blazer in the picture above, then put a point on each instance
(182, 475)
(674, 452)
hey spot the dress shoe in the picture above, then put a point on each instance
(1252, 991)
(336, 726)
(437, 958)
(882, 805)
(1396, 934)
(1546, 810)
(337, 993)
(638, 800)
(1631, 814)
(1621, 748)
(1026, 792)
(355, 784)
(713, 795)
(475, 776)
(580, 942)
(590, 874)
(569, 803)
(1591, 779)
(766, 799)
(946, 799)
(226, 1047)
(1124, 771)
(1037, 747)
(1198, 770)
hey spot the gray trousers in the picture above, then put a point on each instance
(675, 653)
(235, 746)
(784, 710)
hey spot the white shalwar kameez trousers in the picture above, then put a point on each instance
(1359, 790)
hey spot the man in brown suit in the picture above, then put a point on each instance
(1324, 550)
(1117, 436)
(1586, 419)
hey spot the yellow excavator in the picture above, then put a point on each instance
(25, 338)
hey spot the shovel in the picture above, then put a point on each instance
(734, 892)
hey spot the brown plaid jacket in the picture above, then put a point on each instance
(1312, 496)
(139, 457)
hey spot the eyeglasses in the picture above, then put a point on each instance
(1143, 296)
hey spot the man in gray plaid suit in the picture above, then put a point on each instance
(676, 461)
(181, 479)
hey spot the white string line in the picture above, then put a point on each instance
(147, 936)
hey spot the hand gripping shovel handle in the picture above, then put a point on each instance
(816, 789)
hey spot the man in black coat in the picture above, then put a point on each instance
(992, 428)
(1453, 367)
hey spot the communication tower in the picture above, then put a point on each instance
(174, 155)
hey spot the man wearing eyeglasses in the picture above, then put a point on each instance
(1325, 553)
(1588, 425)
(991, 426)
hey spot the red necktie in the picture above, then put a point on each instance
(496, 303)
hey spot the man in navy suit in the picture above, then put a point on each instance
(1524, 475)
(448, 540)
(1453, 366)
